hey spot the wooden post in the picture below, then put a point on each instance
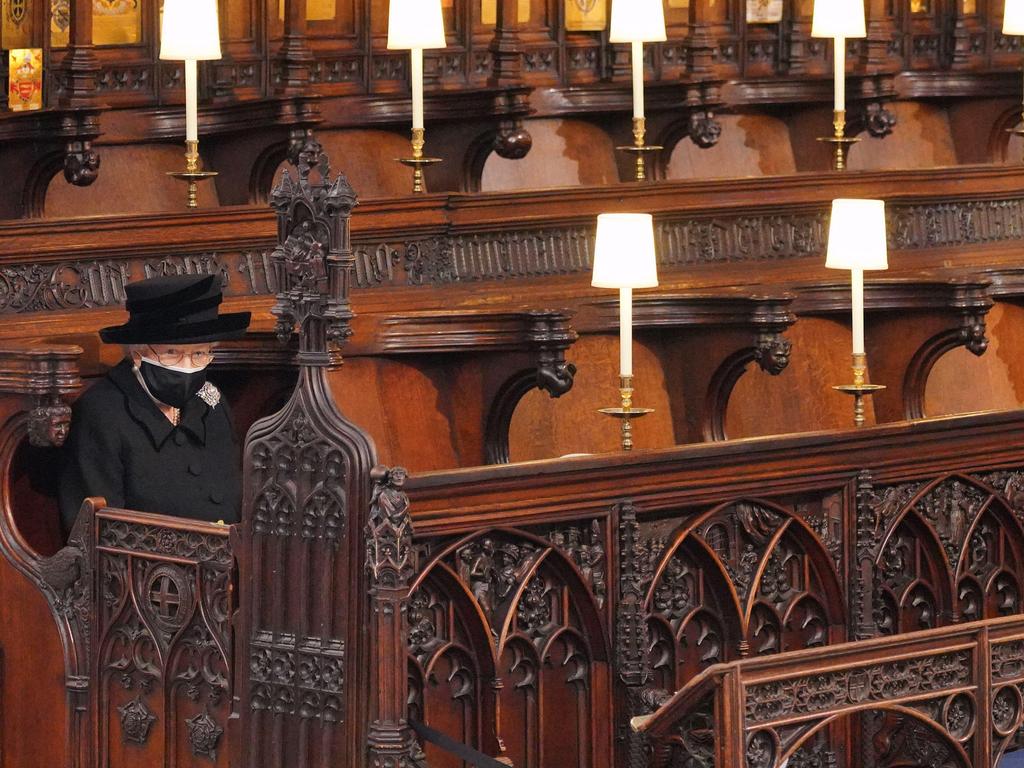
(295, 58)
(390, 563)
(508, 61)
(80, 67)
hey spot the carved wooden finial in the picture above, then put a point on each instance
(313, 259)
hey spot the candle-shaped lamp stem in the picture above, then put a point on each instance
(840, 74)
(416, 56)
(626, 332)
(638, 78)
(191, 100)
(857, 291)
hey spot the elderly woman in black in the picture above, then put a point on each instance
(154, 434)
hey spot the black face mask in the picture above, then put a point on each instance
(172, 387)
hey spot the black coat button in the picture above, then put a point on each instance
(217, 496)
(179, 438)
(195, 468)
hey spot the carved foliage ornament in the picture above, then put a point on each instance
(136, 721)
(807, 695)
(203, 735)
(303, 676)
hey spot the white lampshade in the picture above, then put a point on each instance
(624, 255)
(1013, 17)
(637, 21)
(838, 18)
(856, 235)
(190, 30)
(415, 24)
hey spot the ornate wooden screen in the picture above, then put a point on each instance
(508, 643)
(162, 661)
(646, 595)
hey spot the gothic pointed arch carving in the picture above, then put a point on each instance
(517, 619)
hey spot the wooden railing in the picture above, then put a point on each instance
(946, 696)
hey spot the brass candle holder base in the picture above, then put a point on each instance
(840, 142)
(418, 162)
(626, 413)
(640, 148)
(859, 389)
(192, 174)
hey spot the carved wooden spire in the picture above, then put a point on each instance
(303, 650)
(313, 260)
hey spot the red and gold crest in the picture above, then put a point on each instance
(25, 88)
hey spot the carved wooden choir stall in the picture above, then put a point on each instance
(821, 598)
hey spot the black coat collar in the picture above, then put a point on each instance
(142, 408)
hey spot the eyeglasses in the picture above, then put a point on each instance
(177, 355)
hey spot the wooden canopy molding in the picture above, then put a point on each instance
(298, 64)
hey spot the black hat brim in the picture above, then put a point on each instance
(227, 326)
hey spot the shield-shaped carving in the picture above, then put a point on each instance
(60, 12)
(858, 686)
(16, 10)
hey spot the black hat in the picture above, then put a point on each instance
(181, 309)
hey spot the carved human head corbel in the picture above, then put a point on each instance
(48, 425)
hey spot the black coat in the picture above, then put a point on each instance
(121, 447)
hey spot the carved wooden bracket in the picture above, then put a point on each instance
(918, 321)
(46, 376)
(970, 334)
(868, 111)
(720, 336)
(524, 351)
(511, 140)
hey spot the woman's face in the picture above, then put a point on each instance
(186, 356)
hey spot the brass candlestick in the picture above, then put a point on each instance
(840, 140)
(193, 173)
(859, 389)
(417, 162)
(626, 413)
(639, 147)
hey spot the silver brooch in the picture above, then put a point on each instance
(209, 394)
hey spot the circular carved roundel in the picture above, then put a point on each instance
(761, 750)
(169, 597)
(959, 716)
(1006, 710)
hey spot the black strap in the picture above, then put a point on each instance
(460, 750)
